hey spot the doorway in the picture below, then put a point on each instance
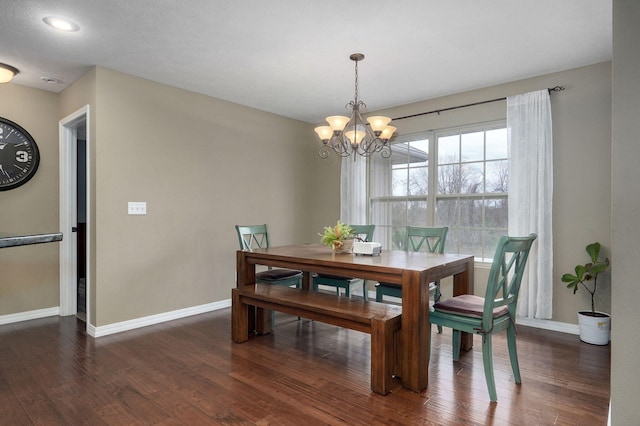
(75, 252)
(81, 228)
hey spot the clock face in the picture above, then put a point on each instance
(19, 155)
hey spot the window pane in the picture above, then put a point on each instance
(490, 244)
(448, 149)
(399, 182)
(418, 152)
(451, 243)
(497, 176)
(399, 213)
(418, 181)
(397, 237)
(379, 213)
(417, 214)
(496, 213)
(449, 179)
(472, 178)
(471, 213)
(447, 214)
(497, 144)
(472, 146)
(383, 236)
(471, 242)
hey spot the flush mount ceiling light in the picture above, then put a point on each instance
(61, 24)
(7, 72)
(351, 135)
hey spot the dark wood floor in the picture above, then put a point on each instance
(307, 373)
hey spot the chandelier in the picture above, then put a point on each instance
(347, 135)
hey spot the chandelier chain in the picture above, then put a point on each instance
(356, 90)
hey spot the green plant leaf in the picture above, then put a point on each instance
(593, 250)
(598, 268)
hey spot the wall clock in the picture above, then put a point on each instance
(19, 155)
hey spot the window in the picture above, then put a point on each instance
(455, 177)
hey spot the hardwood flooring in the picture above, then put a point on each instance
(188, 372)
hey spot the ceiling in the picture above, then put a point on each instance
(291, 57)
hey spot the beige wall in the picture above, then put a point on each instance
(625, 206)
(202, 165)
(29, 274)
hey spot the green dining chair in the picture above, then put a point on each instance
(494, 312)
(257, 236)
(417, 238)
(364, 233)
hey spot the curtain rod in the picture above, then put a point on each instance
(438, 111)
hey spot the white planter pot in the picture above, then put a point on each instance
(347, 247)
(594, 330)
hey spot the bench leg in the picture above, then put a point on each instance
(382, 354)
(264, 318)
(239, 318)
(397, 351)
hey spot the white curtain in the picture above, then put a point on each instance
(530, 195)
(353, 190)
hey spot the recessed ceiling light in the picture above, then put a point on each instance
(61, 24)
(7, 72)
(49, 80)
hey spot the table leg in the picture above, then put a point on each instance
(246, 273)
(239, 319)
(463, 284)
(306, 280)
(258, 319)
(414, 347)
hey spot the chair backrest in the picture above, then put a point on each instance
(252, 236)
(364, 232)
(505, 276)
(432, 239)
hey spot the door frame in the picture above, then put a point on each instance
(68, 131)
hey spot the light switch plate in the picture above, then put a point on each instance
(137, 207)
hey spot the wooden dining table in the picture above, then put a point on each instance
(413, 271)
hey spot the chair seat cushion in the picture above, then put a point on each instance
(278, 274)
(467, 305)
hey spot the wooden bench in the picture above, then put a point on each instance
(381, 321)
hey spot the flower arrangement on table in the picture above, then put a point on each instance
(336, 236)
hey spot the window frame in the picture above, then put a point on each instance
(433, 196)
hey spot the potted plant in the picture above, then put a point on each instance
(594, 325)
(339, 237)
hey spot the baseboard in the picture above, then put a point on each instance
(118, 327)
(29, 315)
(550, 325)
(105, 330)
